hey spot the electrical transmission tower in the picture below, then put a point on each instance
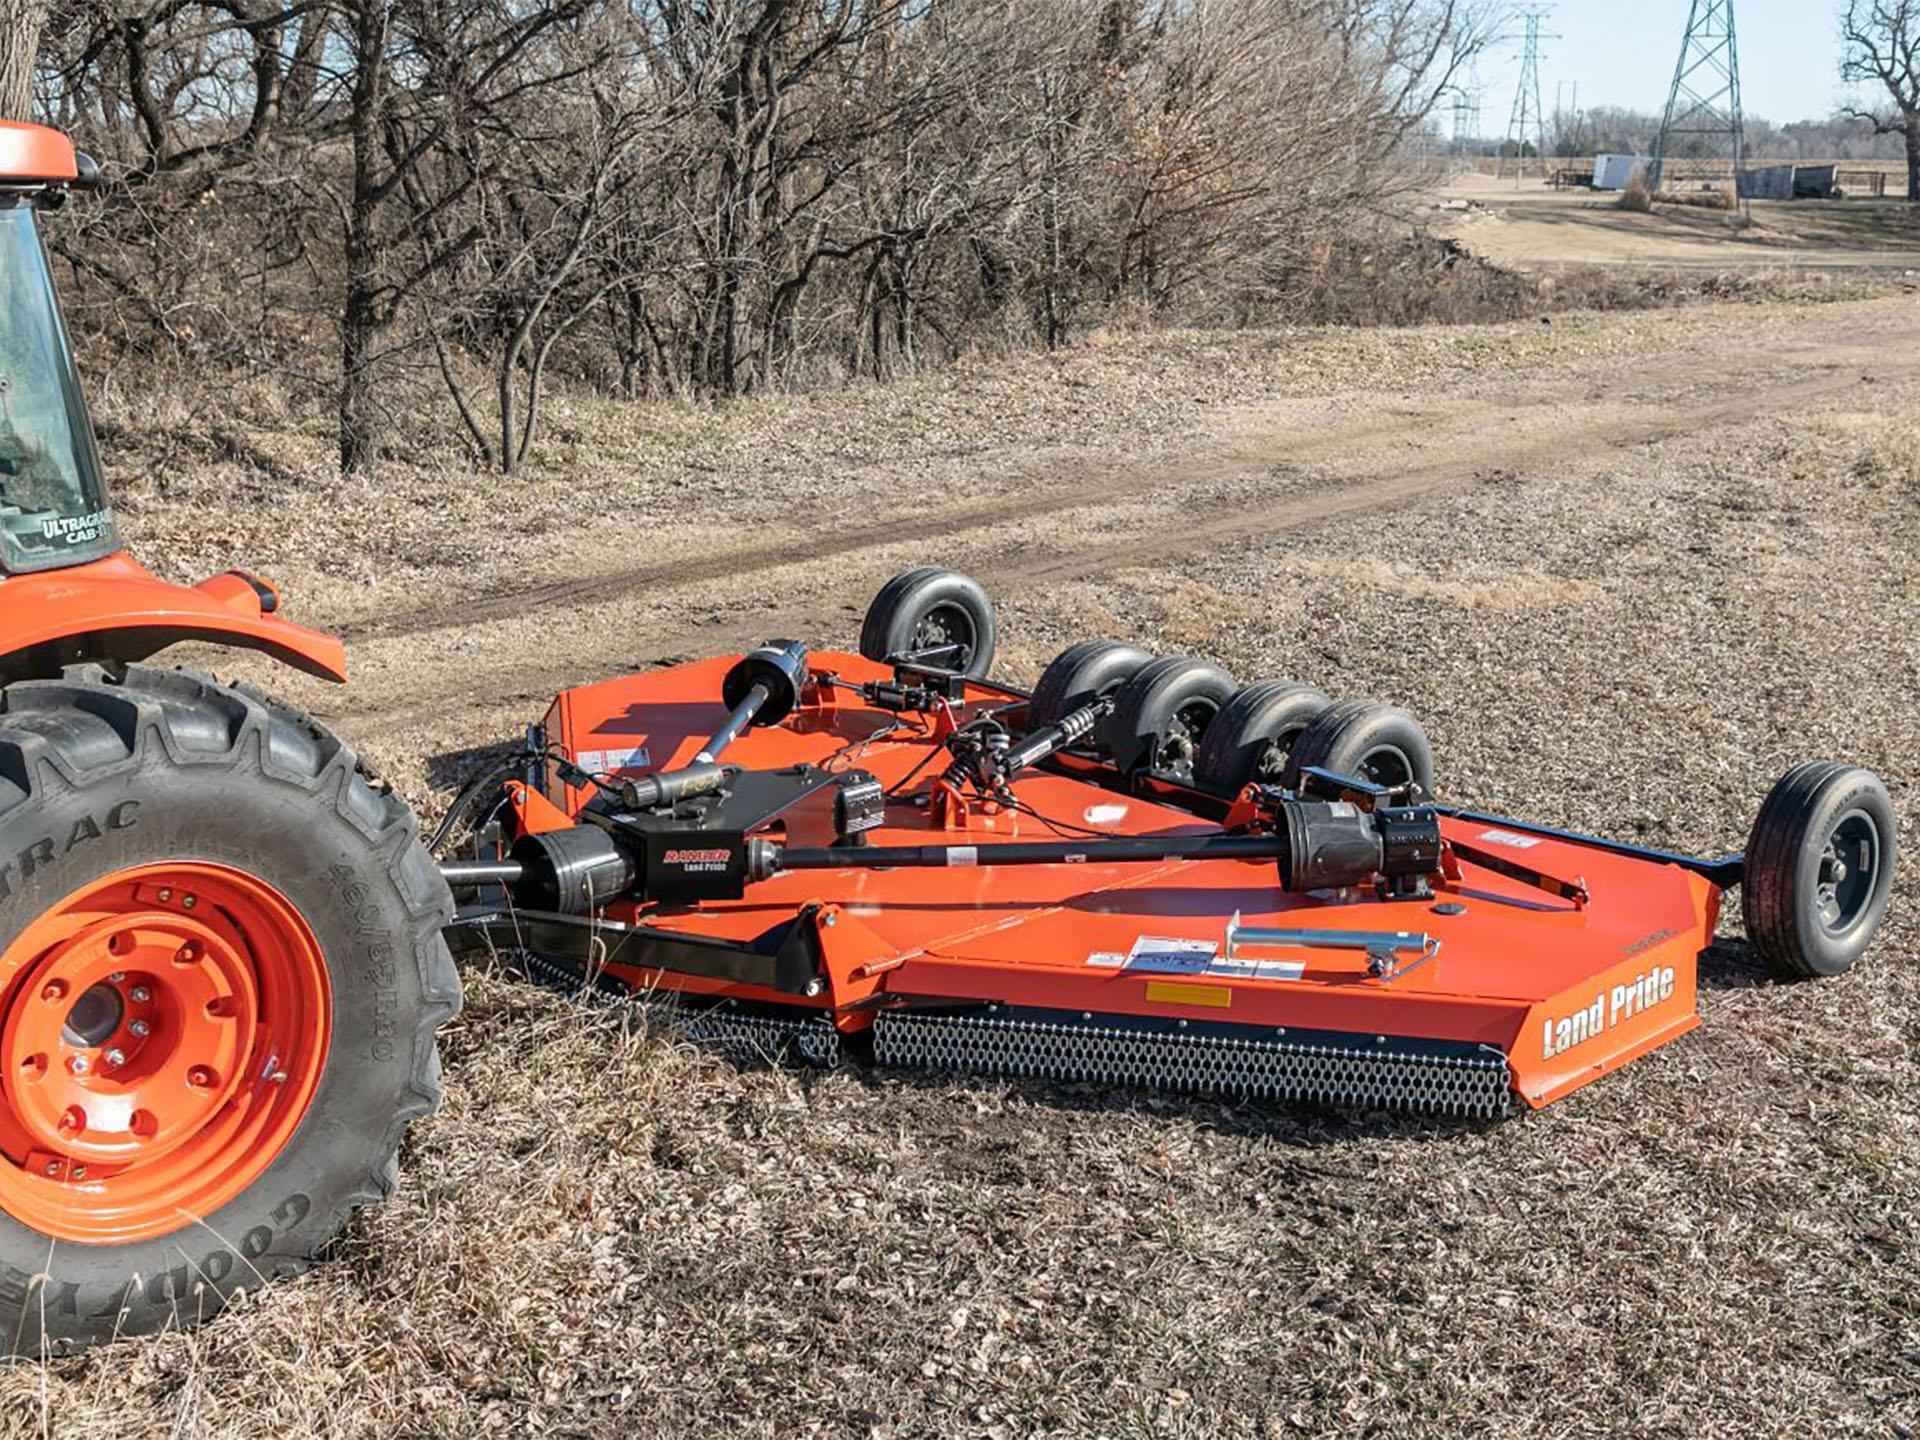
(1466, 119)
(1702, 136)
(1529, 115)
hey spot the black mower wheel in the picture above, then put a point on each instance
(223, 970)
(1161, 715)
(926, 608)
(1819, 869)
(1252, 737)
(1081, 674)
(1381, 743)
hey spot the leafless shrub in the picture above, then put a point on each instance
(1638, 195)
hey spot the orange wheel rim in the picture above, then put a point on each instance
(162, 1033)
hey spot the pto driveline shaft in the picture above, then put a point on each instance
(1068, 730)
(471, 874)
(737, 720)
(1131, 850)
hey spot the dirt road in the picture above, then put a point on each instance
(1275, 468)
(1626, 568)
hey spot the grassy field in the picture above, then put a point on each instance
(1627, 568)
(1528, 227)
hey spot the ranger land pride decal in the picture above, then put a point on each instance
(1608, 1009)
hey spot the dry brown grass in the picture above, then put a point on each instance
(1714, 197)
(1638, 195)
(605, 1233)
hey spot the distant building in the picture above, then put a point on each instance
(1612, 172)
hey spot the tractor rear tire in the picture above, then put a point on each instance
(926, 607)
(1819, 870)
(1161, 716)
(1374, 742)
(1253, 736)
(221, 972)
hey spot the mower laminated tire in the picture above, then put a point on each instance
(1160, 717)
(1380, 743)
(928, 607)
(1251, 739)
(1819, 869)
(1080, 675)
(221, 971)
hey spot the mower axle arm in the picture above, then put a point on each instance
(1724, 873)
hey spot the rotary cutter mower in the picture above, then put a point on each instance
(1137, 873)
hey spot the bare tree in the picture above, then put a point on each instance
(20, 22)
(1882, 39)
(397, 203)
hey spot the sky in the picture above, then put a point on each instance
(1622, 52)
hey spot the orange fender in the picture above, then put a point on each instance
(114, 609)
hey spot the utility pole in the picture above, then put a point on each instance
(1702, 135)
(1529, 115)
(1566, 114)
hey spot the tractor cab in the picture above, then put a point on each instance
(53, 505)
(69, 594)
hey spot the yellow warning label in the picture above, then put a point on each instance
(1162, 993)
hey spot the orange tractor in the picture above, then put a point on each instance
(222, 964)
(223, 951)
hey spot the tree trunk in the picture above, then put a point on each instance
(1913, 158)
(20, 22)
(361, 320)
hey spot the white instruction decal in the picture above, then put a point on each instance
(614, 762)
(1249, 969)
(1509, 839)
(1163, 956)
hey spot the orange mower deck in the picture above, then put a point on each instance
(1547, 962)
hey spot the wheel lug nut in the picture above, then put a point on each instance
(55, 991)
(53, 1167)
(187, 954)
(79, 1064)
(200, 1077)
(115, 1057)
(139, 1029)
(141, 994)
(116, 977)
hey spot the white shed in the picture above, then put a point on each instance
(1611, 172)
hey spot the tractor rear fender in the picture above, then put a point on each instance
(113, 609)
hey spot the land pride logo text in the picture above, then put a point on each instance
(1608, 1009)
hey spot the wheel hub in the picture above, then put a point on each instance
(1849, 863)
(163, 1033)
(943, 627)
(148, 1052)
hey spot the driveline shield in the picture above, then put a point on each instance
(696, 864)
